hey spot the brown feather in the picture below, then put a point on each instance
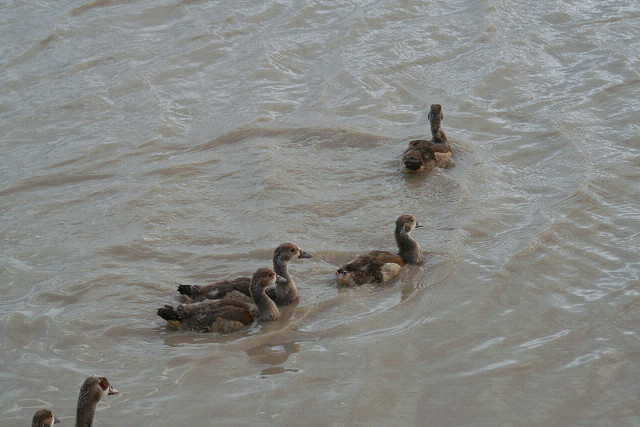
(280, 294)
(423, 155)
(225, 315)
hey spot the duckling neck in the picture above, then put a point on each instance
(86, 410)
(267, 309)
(281, 269)
(437, 134)
(408, 249)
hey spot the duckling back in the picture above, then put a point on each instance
(216, 290)
(367, 269)
(210, 315)
(423, 155)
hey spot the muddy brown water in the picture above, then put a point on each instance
(148, 144)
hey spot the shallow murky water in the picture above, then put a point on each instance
(148, 144)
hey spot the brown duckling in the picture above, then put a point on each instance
(93, 389)
(282, 294)
(380, 266)
(423, 155)
(227, 315)
(44, 418)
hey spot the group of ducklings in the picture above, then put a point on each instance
(93, 389)
(229, 305)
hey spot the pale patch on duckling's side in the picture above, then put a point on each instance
(173, 323)
(390, 270)
(187, 298)
(442, 159)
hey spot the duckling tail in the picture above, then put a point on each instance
(412, 165)
(169, 314)
(186, 290)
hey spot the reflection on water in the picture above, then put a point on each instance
(149, 145)
(273, 356)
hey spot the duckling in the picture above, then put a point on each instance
(282, 294)
(423, 155)
(93, 389)
(44, 418)
(380, 266)
(227, 315)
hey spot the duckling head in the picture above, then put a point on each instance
(435, 115)
(265, 277)
(407, 223)
(288, 251)
(101, 383)
(93, 389)
(44, 418)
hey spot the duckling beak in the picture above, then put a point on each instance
(304, 254)
(280, 279)
(112, 390)
(56, 420)
(418, 225)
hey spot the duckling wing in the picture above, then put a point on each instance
(202, 316)
(374, 271)
(356, 264)
(414, 150)
(282, 295)
(216, 290)
(364, 260)
(233, 313)
(372, 267)
(417, 144)
(419, 157)
(386, 257)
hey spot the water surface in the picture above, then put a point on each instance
(148, 144)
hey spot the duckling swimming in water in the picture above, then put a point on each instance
(380, 266)
(423, 155)
(282, 294)
(227, 315)
(93, 389)
(44, 418)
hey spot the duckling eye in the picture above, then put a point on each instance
(292, 250)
